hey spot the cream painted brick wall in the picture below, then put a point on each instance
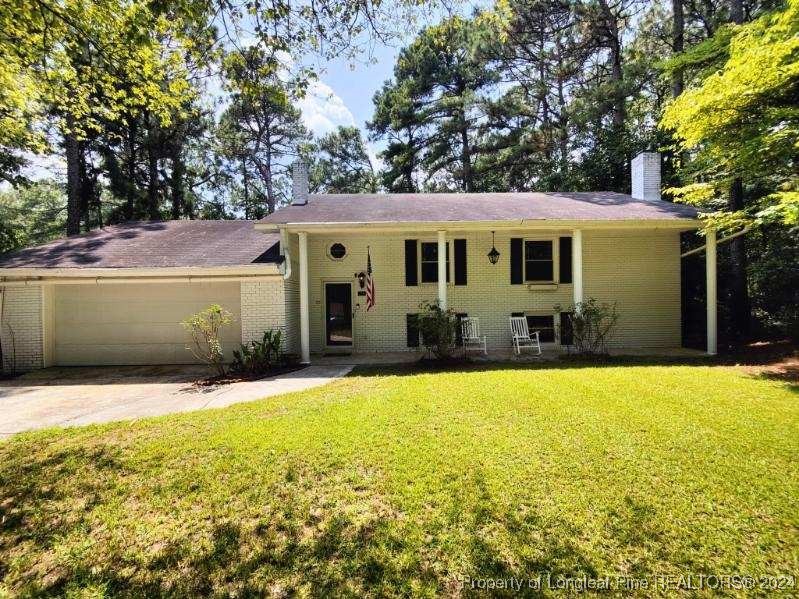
(22, 314)
(640, 271)
(262, 308)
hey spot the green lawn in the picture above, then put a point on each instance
(399, 483)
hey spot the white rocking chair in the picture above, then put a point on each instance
(470, 335)
(522, 337)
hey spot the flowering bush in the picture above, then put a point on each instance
(437, 328)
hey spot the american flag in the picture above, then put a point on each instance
(370, 282)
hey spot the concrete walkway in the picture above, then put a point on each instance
(78, 396)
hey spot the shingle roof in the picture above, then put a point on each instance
(178, 243)
(443, 207)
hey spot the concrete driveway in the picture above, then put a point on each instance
(78, 396)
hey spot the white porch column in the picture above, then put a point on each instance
(577, 265)
(305, 336)
(442, 269)
(712, 297)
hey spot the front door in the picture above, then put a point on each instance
(338, 314)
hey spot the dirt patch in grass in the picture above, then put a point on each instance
(784, 368)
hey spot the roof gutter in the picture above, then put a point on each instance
(681, 224)
(18, 277)
(193, 272)
(37, 281)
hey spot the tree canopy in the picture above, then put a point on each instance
(743, 120)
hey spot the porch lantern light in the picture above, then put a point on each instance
(493, 255)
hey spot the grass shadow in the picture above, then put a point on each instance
(781, 353)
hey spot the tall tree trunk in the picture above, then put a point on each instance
(177, 190)
(245, 177)
(271, 202)
(739, 292)
(72, 151)
(130, 199)
(678, 45)
(86, 188)
(563, 132)
(737, 11)
(152, 178)
(463, 130)
(619, 111)
(466, 158)
(410, 165)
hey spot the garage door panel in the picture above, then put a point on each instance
(121, 333)
(136, 324)
(115, 355)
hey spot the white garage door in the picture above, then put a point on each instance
(117, 324)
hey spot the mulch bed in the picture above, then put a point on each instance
(238, 377)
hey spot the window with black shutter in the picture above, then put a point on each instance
(516, 262)
(538, 261)
(460, 261)
(565, 258)
(412, 330)
(411, 274)
(429, 261)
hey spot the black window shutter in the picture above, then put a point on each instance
(516, 264)
(565, 259)
(460, 262)
(566, 335)
(517, 314)
(411, 274)
(412, 329)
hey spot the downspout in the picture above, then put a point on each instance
(284, 251)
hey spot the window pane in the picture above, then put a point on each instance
(538, 271)
(429, 252)
(538, 250)
(429, 272)
(545, 325)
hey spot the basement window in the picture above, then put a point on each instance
(545, 325)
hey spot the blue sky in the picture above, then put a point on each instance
(350, 87)
(343, 93)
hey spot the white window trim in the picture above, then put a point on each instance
(449, 264)
(555, 261)
(331, 256)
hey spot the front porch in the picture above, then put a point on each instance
(328, 314)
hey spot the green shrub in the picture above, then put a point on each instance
(437, 328)
(261, 356)
(592, 325)
(204, 328)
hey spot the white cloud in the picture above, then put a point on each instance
(323, 110)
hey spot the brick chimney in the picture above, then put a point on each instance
(645, 170)
(299, 179)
